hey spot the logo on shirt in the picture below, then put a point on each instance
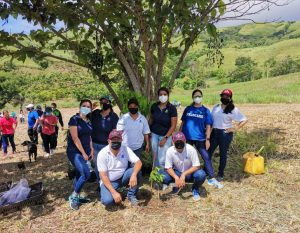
(195, 115)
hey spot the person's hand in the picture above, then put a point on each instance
(162, 142)
(178, 183)
(182, 178)
(147, 149)
(34, 127)
(207, 144)
(86, 157)
(92, 154)
(133, 181)
(117, 197)
(230, 130)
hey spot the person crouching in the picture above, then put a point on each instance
(112, 162)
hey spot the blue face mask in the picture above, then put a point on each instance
(85, 110)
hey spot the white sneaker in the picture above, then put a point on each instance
(47, 155)
(215, 183)
(52, 151)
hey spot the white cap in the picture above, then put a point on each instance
(29, 106)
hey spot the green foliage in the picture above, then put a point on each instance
(8, 66)
(156, 177)
(285, 66)
(9, 90)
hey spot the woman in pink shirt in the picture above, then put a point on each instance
(48, 122)
(8, 126)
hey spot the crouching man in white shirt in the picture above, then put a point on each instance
(182, 164)
(112, 162)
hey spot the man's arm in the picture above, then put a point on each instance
(133, 179)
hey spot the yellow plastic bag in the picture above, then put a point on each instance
(254, 163)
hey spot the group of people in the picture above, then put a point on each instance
(39, 121)
(115, 145)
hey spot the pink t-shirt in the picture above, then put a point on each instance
(6, 125)
(49, 123)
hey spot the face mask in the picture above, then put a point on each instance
(133, 110)
(225, 101)
(84, 110)
(48, 113)
(179, 145)
(163, 98)
(198, 100)
(106, 106)
(116, 145)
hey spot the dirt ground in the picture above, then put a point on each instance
(263, 203)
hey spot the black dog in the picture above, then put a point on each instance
(32, 149)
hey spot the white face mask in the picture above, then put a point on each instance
(163, 98)
(198, 100)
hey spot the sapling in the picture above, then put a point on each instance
(156, 177)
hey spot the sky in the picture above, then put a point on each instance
(290, 12)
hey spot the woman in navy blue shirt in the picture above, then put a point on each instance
(80, 149)
(196, 126)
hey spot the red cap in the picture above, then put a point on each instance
(178, 136)
(227, 92)
(114, 134)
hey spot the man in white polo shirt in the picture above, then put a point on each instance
(135, 128)
(182, 164)
(114, 172)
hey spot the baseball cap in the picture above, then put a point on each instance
(114, 134)
(107, 97)
(39, 107)
(30, 106)
(227, 92)
(178, 136)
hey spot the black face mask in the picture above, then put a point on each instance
(133, 110)
(225, 101)
(116, 145)
(106, 106)
(179, 145)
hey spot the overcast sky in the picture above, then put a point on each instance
(289, 12)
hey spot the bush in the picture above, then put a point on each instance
(285, 66)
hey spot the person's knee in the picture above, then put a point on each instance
(199, 175)
(107, 201)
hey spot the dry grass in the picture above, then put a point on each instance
(265, 203)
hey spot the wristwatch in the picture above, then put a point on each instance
(166, 137)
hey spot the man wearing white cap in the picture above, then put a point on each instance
(33, 118)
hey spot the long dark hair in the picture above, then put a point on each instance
(229, 107)
(193, 93)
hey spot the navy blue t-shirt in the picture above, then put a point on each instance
(195, 120)
(162, 118)
(102, 126)
(84, 130)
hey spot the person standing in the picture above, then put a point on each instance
(48, 122)
(80, 150)
(22, 117)
(8, 127)
(196, 126)
(224, 115)
(33, 119)
(57, 113)
(103, 122)
(135, 128)
(163, 120)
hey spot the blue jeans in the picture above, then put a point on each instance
(159, 153)
(97, 148)
(139, 152)
(5, 139)
(200, 146)
(81, 168)
(198, 177)
(106, 196)
(222, 139)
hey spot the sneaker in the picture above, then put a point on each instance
(133, 201)
(83, 200)
(74, 202)
(47, 155)
(164, 187)
(220, 178)
(51, 151)
(196, 195)
(215, 183)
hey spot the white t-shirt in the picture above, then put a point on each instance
(133, 130)
(224, 121)
(182, 161)
(115, 166)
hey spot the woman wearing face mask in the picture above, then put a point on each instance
(222, 134)
(8, 127)
(163, 120)
(48, 122)
(135, 128)
(80, 149)
(103, 122)
(196, 126)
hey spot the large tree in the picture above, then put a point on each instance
(134, 37)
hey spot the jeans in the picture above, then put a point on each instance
(198, 177)
(139, 152)
(106, 196)
(200, 146)
(48, 142)
(97, 148)
(159, 153)
(33, 135)
(5, 139)
(56, 137)
(222, 139)
(81, 169)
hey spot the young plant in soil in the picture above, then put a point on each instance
(156, 177)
